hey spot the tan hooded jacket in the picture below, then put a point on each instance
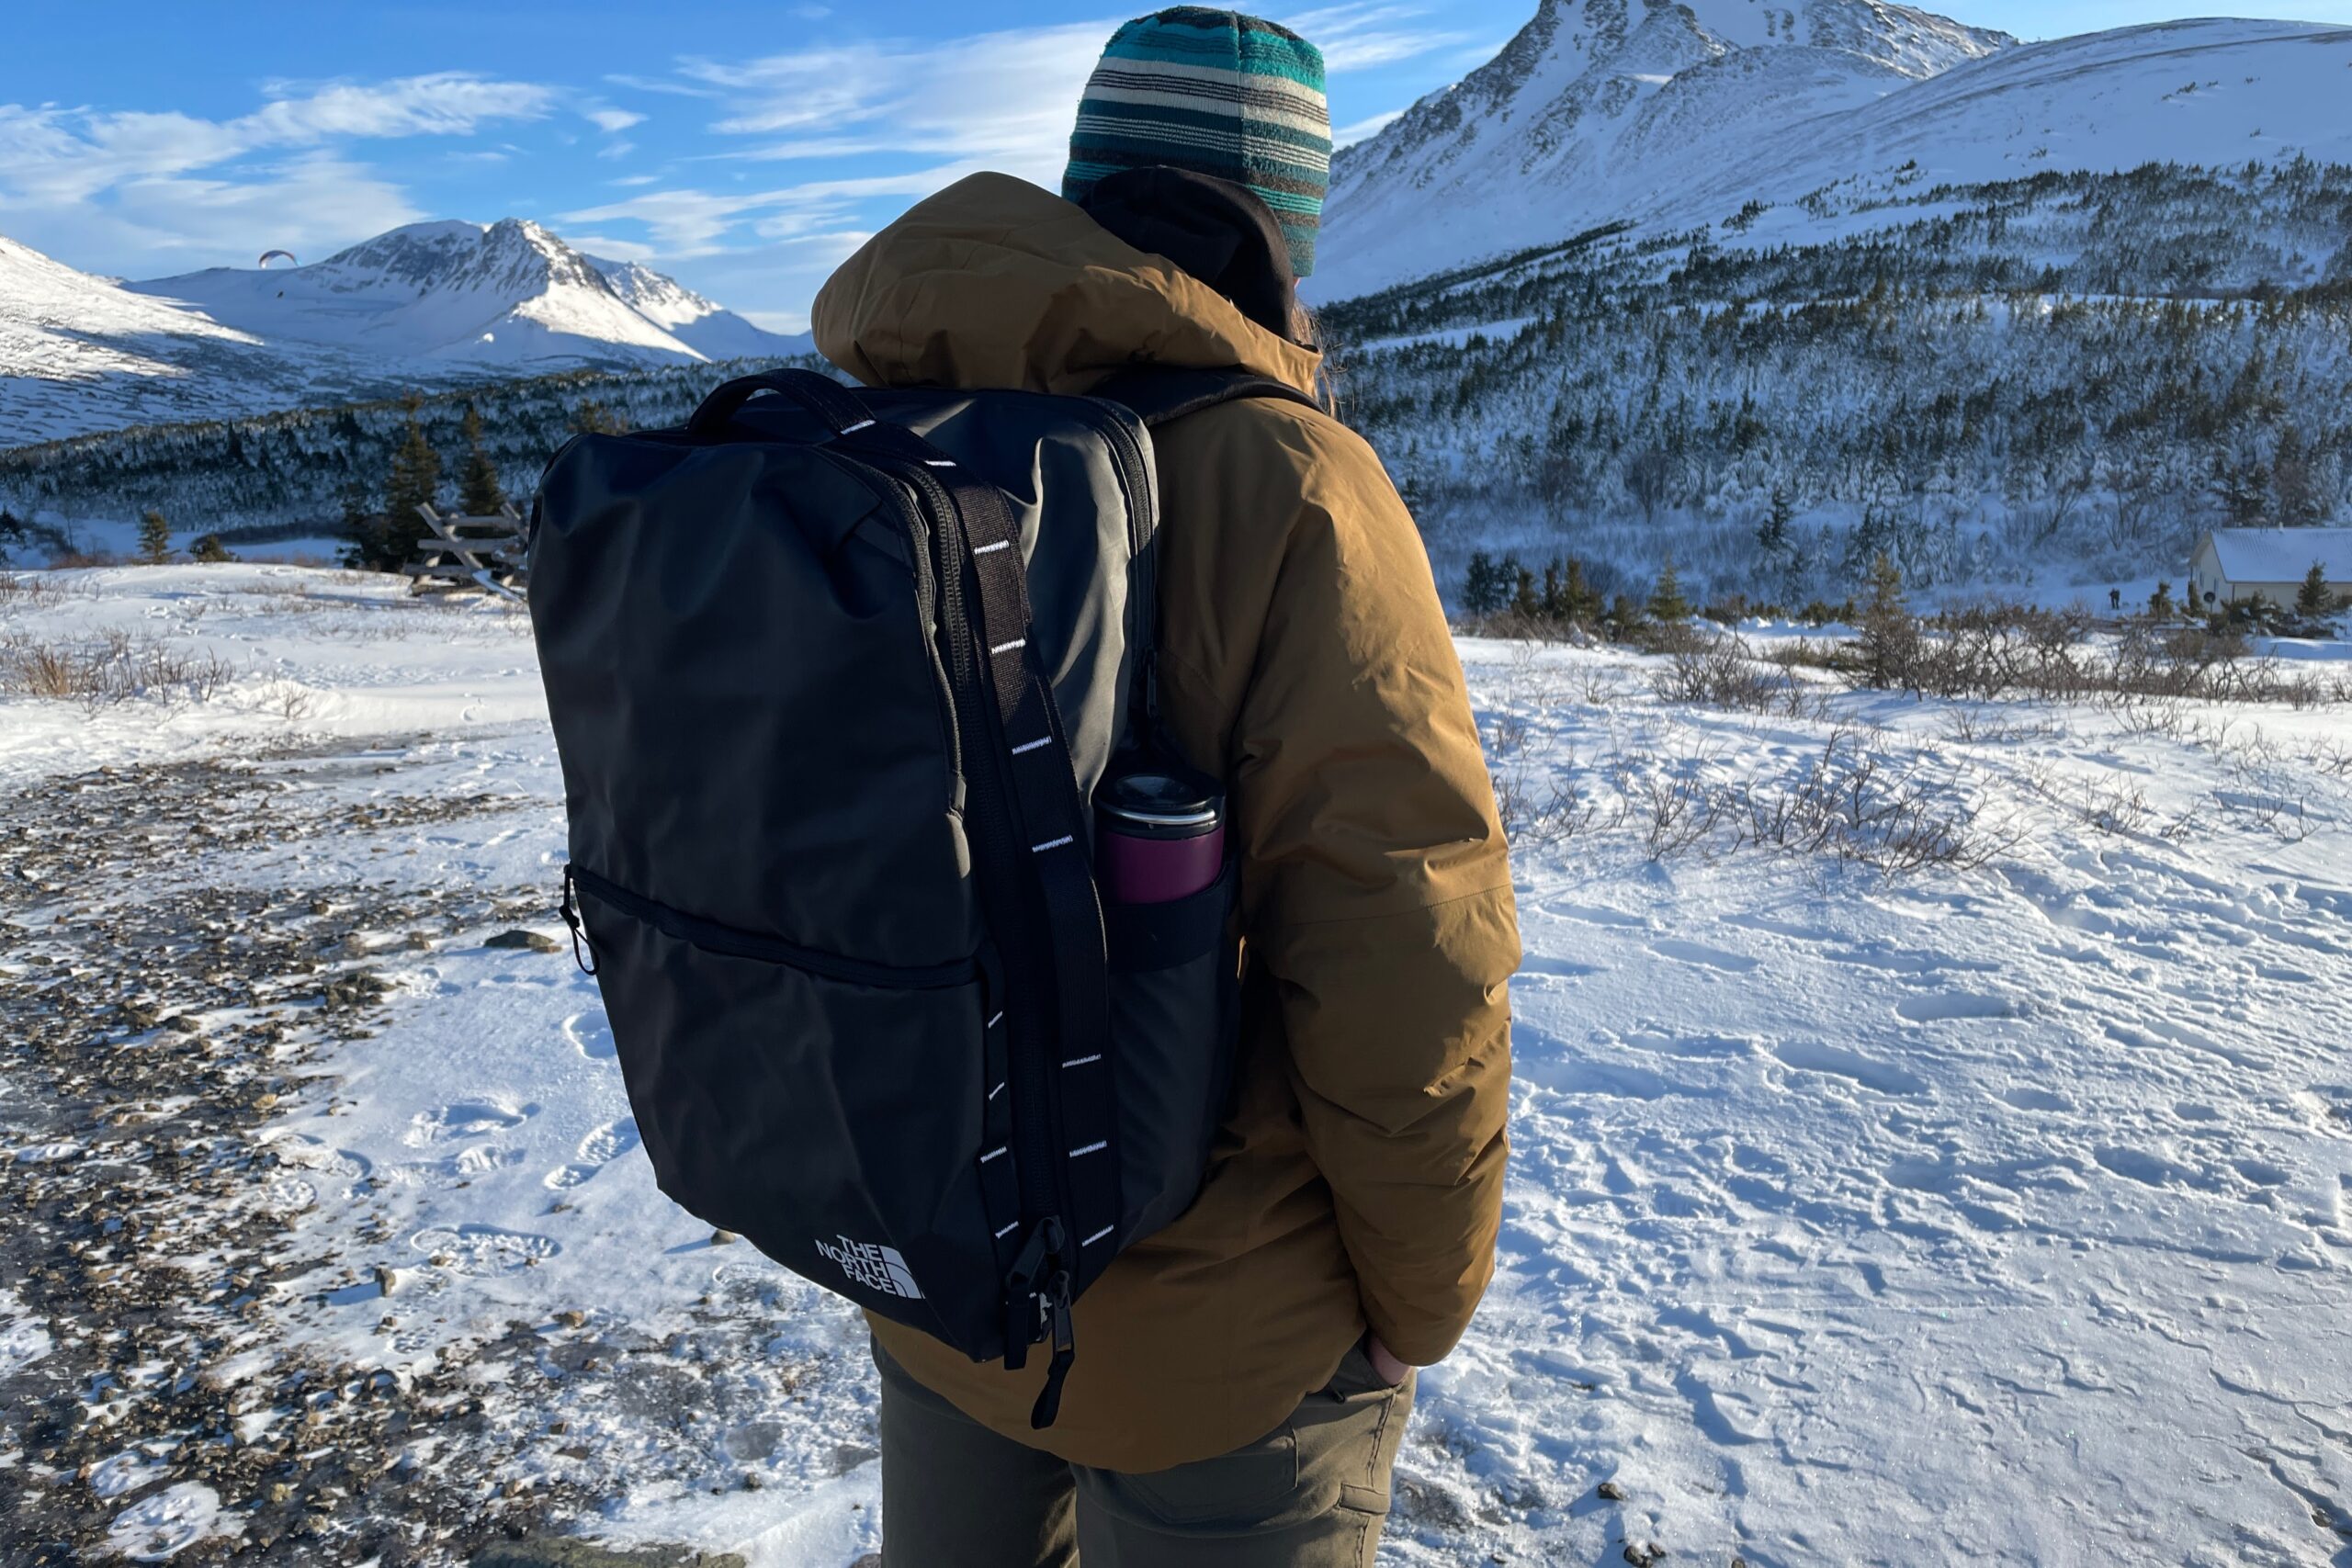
(1303, 656)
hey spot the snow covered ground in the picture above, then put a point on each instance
(1990, 1214)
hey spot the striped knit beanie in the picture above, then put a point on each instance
(1217, 92)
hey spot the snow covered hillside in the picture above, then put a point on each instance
(425, 306)
(710, 330)
(81, 353)
(1587, 119)
(1994, 1211)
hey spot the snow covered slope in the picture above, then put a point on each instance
(430, 305)
(81, 353)
(708, 328)
(507, 294)
(1995, 1216)
(1589, 117)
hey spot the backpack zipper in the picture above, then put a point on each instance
(714, 937)
(1037, 1113)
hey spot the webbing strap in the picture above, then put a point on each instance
(1054, 858)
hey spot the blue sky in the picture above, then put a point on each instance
(744, 148)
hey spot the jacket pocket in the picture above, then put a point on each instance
(1174, 1014)
(826, 1108)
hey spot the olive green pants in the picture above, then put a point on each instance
(1313, 1492)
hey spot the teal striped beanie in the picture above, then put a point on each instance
(1219, 94)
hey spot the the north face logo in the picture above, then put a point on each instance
(875, 1267)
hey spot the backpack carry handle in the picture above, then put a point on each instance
(821, 395)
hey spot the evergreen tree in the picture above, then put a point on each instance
(1667, 602)
(593, 418)
(155, 538)
(479, 493)
(1524, 600)
(2315, 601)
(2160, 604)
(1484, 589)
(1889, 640)
(1555, 605)
(12, 528)
(1772, 533)
(362, 526)
(415, 481)
(1582, 604)
(208, 549)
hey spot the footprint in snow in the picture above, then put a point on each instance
(464, 1119)
(1819, 1057)
(590, 1035)
(483, 1249)
(597, 1150)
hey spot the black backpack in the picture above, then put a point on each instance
(834, 677)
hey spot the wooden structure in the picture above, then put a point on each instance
(470, 552)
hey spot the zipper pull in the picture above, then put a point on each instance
(584, 951)
(1025, 1320)
(1065, 1338)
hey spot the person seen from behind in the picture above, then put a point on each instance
(1250, 1367)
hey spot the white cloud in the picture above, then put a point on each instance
(1000, 99)
(1363, 130)
(616, 149)
(611, 247)
(688, 223)
(1359, 36)
(131, 190)
(613, 119)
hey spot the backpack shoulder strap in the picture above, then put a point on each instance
(1157, 394)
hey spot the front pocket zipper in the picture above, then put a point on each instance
(713, 937)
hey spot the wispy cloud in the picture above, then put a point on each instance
(1003, 98)
(1363, 130)
(693, 222)
(133, 188)
(52, 155)
(1361, 36)
(612, 120)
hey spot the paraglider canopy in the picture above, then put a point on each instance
(269, 256)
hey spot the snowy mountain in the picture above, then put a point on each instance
(1671, 114)
(709, 329)
(510, 293)
(82, 353)
(423, 307)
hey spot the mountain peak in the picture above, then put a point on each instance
(512, 291)
(1551, 117)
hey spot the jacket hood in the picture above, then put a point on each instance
(995, 283)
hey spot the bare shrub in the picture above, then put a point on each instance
(1723, 671)
(1677, 811)
(1562, 809)
(113, 666)
(1982, 726)
(1858, 805)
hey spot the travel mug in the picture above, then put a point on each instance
(1156, 839)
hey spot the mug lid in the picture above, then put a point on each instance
(1157, 800)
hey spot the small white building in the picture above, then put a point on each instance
(2232, 564)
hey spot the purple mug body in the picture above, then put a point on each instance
(1156, 839)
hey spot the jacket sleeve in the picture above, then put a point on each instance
(1377, 898)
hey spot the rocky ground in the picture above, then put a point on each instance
(161, 1010)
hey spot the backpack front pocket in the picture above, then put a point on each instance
(830, 1111)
